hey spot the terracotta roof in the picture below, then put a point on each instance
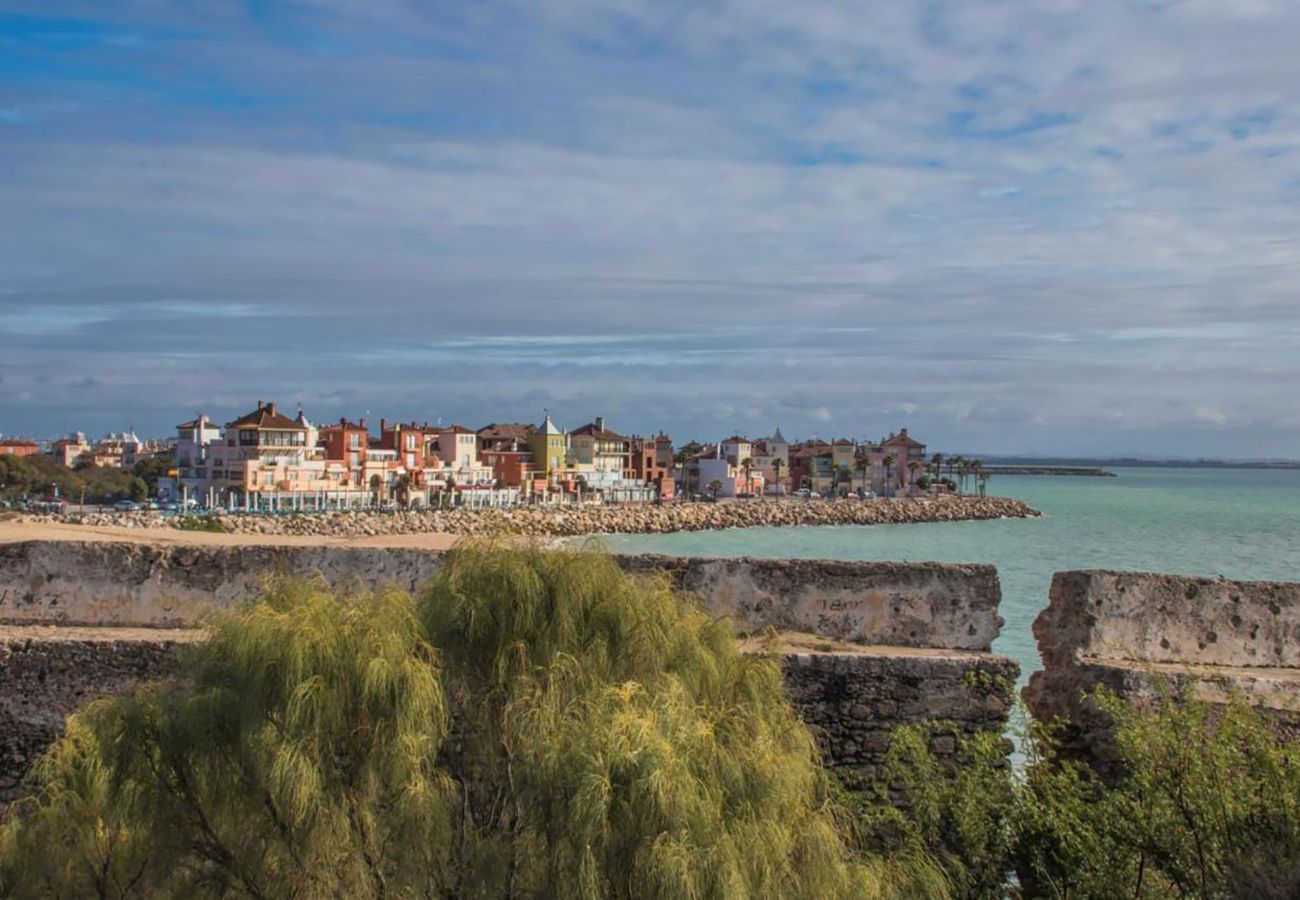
(507, 430)
(842, 442)
(265, 416)
(458, 429)
(602, 433)
(737, 439)
(903, 439)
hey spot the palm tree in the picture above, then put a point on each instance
(983, 478)
(913, 466)
(715, 487)
(402, 489)
(776, 471)
(747, 466)
(864, 467)
(967, 468)
(888, 463)
(376, 487)
(936, 463)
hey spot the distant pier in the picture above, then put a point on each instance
(1088, 471)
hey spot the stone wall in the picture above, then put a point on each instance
(919, 604)
(855, 699)
(46, 672)
(132, 584)
(852, 697)
(104, 583)
(918, 633)
(1139, 634)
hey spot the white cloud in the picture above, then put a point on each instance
(1013, 212)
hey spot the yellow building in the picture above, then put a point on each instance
(548, 447)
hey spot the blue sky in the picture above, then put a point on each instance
(1047, 227)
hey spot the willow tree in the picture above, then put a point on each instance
(538, 724)
(294, 754)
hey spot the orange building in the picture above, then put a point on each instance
(18, 447)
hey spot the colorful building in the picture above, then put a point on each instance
(549, 446)
(18, 447)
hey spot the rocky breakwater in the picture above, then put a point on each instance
(1140, 634)
(572, 521)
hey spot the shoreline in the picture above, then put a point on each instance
(439, 529)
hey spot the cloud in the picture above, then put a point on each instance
(1050, 228)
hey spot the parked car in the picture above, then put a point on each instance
(48, 505)
(126, 506)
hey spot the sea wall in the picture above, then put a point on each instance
(572, 521)
(1139, 634)
(865, 646)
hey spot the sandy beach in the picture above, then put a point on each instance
(16, 530)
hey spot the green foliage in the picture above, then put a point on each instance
(538, 724)
(24, 477)
(962, 816)
(150, 470)
(1206, 804)
(208, 523)
(294, 756)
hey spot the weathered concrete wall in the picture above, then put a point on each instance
(902, 604)
(886, 603)
(129, 584)
(1138, 633)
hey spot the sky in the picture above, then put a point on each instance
(1048, 227)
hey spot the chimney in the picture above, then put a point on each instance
(600, 423)
(362, 424)
(270, 407)
(383, 425)
(343, 420)
(261, 405)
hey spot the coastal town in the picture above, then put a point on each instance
(270, 461)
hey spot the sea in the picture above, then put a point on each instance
(1235, 523)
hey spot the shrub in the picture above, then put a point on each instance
(210, 523)
(1206, 804)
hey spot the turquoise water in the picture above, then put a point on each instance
(1238, 523)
